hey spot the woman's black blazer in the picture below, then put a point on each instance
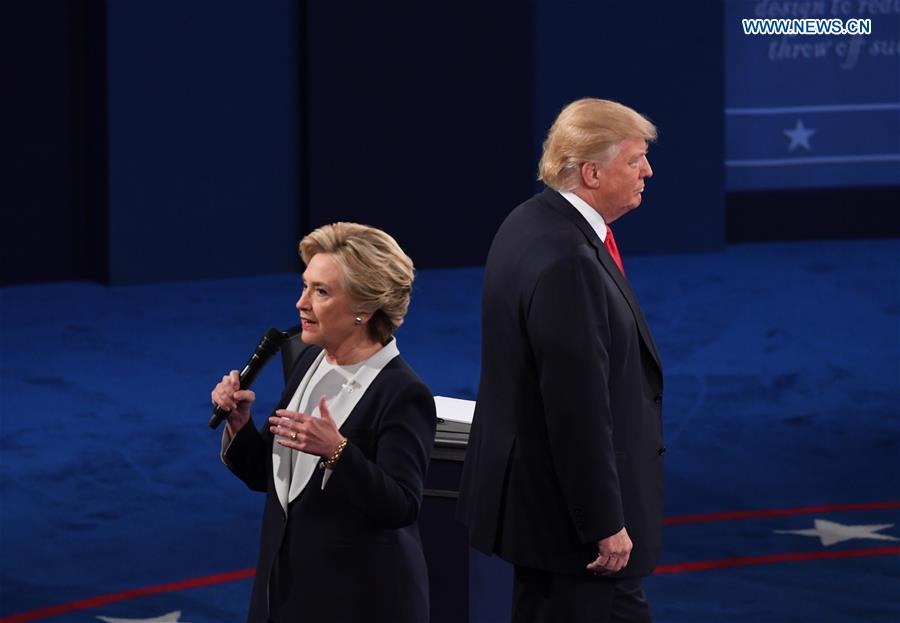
(352, 551)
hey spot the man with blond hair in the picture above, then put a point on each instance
(563, 473)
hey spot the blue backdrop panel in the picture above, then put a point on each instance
(813, 111)
(418, 120)
(202, 138)
(664, 60)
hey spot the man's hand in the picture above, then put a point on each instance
(612, 553)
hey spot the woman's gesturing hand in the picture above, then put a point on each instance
(313, 435)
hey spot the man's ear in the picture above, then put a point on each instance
(590, 174)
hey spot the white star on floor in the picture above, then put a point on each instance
(830, 532)
(799, 136)
(171, 617)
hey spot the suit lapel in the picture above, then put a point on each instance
(559, 203)
(282, 463)
(625, 288)
(304, 361)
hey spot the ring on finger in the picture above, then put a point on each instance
(293, 435)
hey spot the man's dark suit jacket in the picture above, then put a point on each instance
(352, 551)
(566, 445)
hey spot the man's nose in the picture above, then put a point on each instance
(648, 170)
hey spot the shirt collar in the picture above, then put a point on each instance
(590, 214)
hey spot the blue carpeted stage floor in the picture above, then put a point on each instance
(782, 393)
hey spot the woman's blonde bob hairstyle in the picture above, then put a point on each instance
(376, 272)
(588, 130)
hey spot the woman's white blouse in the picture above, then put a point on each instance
(342, 386)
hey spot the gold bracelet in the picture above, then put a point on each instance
(331, 461)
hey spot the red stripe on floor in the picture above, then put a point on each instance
(778, 512)
(102, 600)
(702, 565)
(745, 561)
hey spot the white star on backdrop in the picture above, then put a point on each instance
(171, 617)
(830, 532)
(799, 136)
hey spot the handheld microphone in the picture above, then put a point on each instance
(270, 344)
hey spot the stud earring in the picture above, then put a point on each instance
(357, 321)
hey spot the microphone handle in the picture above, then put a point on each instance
(248, 375)
(270, 344)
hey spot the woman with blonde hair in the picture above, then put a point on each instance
(342, 460)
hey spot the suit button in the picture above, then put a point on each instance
(661, 451)
(657, 399)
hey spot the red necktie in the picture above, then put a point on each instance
(610, 244)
